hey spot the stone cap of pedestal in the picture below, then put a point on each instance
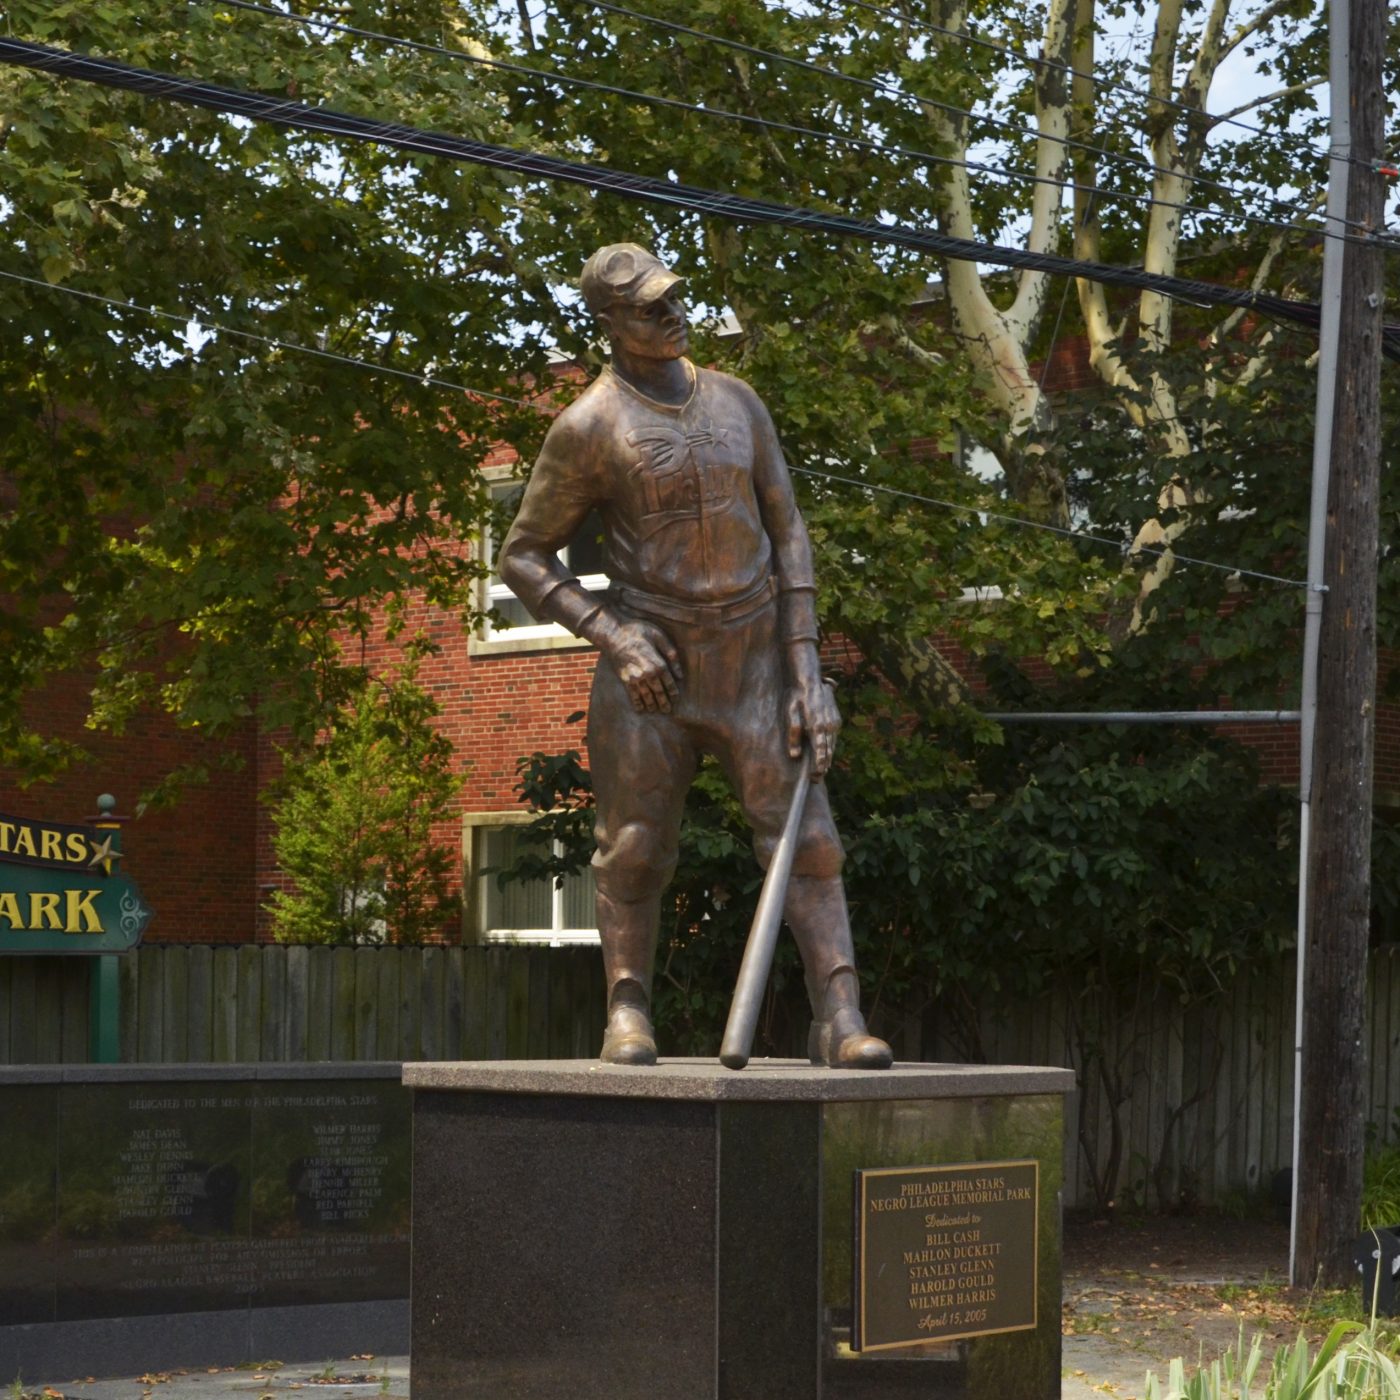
(776, 1081)
(149, 1072)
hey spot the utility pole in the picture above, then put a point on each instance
(1337, 772)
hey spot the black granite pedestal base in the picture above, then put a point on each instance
(686, 1232)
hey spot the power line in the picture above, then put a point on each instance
(644, 188)
(889, 89)
(1122, 546)
(185, 318)
(841, 138)
(1030, 60)
(789, 128)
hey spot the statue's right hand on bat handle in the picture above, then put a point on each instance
(814, 720)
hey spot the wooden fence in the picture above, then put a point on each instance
(1199, 1100)
(1182, 1104)
(182, 1004)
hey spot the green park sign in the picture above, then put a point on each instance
(62, 890)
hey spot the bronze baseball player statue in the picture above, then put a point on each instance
(707, 640)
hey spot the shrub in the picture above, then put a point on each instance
(354, 823)
(1351, 1364)
(1380, 1189)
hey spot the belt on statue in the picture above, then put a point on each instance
(649, 605)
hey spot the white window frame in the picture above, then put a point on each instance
(474, 827)
(532, 636)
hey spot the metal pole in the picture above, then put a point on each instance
(1333, 254)
(104, 976)
(104, 1009)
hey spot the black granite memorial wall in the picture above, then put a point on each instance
(157, 1216)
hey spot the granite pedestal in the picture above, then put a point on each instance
(685, 1232)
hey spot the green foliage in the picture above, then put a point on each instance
(191, 522)
(1249, 470)
(195, 522)
(1081, 861)
(559, 841)
(1098, 852)
(1380, 1188)
(1352, 1363)
(355, 818)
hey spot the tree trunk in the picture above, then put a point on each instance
(995, 340)
(1333, 1123)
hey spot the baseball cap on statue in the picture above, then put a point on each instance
(624, 272)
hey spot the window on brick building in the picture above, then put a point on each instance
(538, 911)
(583, 557)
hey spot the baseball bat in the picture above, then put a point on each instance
(763, 934)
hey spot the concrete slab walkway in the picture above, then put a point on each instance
(339, 1378)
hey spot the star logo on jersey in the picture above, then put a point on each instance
(707, 435)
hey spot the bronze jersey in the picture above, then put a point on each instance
(675, 487)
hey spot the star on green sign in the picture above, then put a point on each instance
(103, 855)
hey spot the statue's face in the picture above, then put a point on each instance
(656, 330)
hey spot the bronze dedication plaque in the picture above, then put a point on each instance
(944, 1252)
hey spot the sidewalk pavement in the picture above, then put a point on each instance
(1102, 1370)
(1093, 1367)
(343, 1378)
(1140, 1294)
